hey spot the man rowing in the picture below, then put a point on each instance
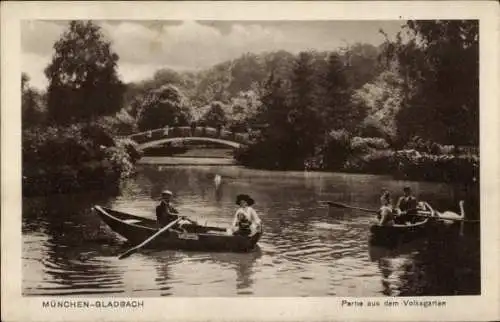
(166, 213)
(407, 205)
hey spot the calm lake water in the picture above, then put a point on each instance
(306, 249)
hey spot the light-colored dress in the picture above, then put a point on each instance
(386, 216)
(248, 214)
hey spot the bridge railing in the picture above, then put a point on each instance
(187, 131)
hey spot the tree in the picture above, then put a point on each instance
(439, 63)
(277, 146)
(83, 82)
(163, 106)
(32, 113)
(361, 63)
(380, 101)
(213, 84)
(338, 112)
(215, 116)
(245, 71)
(244, 108)
(275, 107)
(136, 92)
(280, 63)
(304, 115)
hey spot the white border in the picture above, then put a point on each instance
(18, 308)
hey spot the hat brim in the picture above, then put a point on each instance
(247, 198)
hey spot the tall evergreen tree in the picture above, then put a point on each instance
(339, 113)
(307, 124)
(279, 142)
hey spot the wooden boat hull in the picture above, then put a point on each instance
(199, 238)
(399, 232)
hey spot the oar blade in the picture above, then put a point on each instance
(127, 253)
(336, 204)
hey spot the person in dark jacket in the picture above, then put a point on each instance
(407, 204)
(165, 212)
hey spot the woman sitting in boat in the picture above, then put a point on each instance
(386, 213)
(246, 221)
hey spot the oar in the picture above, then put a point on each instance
(147, 241)
(341, 205)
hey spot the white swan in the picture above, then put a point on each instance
(447, 217)
(453, 216)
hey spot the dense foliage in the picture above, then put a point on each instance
(440, 68)
(161, 107)
(62, 159)
(32, 104)
(83, 83)
(70, 134)
(409, 106)
(215, 115)
(422, 88)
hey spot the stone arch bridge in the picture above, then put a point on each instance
(152, 138)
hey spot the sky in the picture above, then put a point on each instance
(146, 46)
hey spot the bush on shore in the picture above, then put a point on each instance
(414, 165)
(341, 152)
(75, 157)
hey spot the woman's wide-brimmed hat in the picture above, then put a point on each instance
(247, 198)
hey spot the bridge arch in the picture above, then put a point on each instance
(158, 142)
(152, 138)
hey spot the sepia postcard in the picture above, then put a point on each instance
(250, 161)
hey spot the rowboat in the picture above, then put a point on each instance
(192, 237)
(400, 231)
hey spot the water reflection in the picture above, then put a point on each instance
(163, 272)
(218, 192)
(430, 266)
(398, 266)
(67, 256)
(307, 248)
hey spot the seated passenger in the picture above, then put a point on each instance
(386, 214)
(246, 221)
